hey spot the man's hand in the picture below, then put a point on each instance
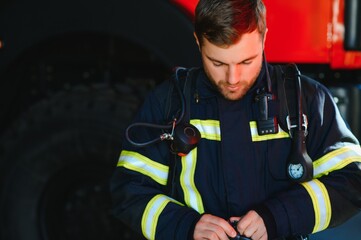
(251, 225)
(212, 227)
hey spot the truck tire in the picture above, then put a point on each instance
(56, 163)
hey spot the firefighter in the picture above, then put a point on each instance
(237, 180)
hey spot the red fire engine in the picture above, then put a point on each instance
(309, 32)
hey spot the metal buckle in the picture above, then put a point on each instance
(289, 126)
(304, 124)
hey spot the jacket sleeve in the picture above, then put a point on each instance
(334, 194)
(139, 183)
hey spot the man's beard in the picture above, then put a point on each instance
(233, 95)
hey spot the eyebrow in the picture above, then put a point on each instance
(218, 61)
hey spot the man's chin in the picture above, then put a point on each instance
(232, 96)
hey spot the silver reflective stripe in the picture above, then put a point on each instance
(139, 163)
(258, 138)
(192, 196)
(321, 204)
(152, 212)
(209, 129)
(336, 159)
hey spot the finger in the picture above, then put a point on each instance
(205, 231)
(206, 234)
(216, 232)
(252, 225)
(212, 227)
(255, 233)
(250, 232)
(233, 221)
(259, 236)
(264, 236)
(243, 224)
(226, 227)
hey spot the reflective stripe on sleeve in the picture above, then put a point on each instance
(336, 159)
(152, 212)
(321, 204)
(139, 163)
(258, 138)
(209, 129)
(192, 196)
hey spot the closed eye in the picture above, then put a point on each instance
(247, 62)
(217, 64)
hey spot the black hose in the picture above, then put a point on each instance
(159, 126)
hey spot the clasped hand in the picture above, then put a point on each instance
(211, 227)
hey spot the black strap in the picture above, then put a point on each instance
(188, 81)
(187, 89)
(281, 94)
(287, 90)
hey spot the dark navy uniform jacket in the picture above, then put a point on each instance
(233, 169)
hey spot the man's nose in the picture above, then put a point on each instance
(233, 75)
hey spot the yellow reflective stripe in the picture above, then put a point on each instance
(139, 163)
(321, 204)
(152, 212)
(191, 194)
(336, 159)
(209, 129)
(258, 138)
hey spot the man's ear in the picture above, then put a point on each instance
(264, 38)
(197, 41)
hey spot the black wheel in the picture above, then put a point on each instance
(56, 164)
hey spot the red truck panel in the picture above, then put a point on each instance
(305, 31)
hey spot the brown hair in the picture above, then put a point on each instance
(222, 22)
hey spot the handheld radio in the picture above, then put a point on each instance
(265, 123)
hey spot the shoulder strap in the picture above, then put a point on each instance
(189, 87)
(173, 103)
(186, 81)
(281, 95)
(287, 90)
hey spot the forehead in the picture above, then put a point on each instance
(247, 46)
